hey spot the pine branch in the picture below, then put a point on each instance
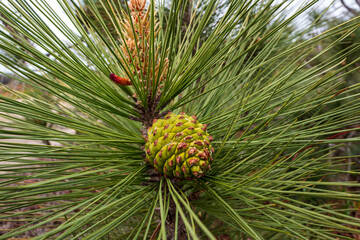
(351, 10)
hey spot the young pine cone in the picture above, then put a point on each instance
(179, 146)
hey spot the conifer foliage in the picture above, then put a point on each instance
(81, 148)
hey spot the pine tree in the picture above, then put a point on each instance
(101, 101)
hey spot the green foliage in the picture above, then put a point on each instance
(102, 11)
(256, 86)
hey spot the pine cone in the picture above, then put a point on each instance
(179, 146)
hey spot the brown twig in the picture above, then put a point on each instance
(351, 10)
(303, 149)
(358, 2)
(155, 232)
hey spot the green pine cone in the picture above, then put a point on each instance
(179, 146)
